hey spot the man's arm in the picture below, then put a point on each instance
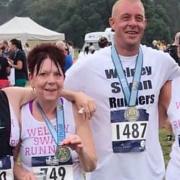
(164, 101)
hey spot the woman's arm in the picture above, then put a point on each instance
(18, 96)
(82, 143)
(19, 64)
(85, 104)
(22, 174)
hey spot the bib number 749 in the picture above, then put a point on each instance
(55, 173)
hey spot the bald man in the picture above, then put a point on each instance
(125, 80)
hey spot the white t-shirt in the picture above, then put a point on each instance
(97, 78)
(173, 169)
(38, 142)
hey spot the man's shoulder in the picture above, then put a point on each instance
(103, 52)
(99, 54)
(154, 52)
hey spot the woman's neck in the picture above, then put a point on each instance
(49, 108)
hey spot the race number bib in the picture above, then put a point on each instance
(49, 168)
(6, 172)
(54, 172)
(128, 136)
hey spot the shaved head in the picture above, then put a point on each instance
(119, 2)
(128, 22)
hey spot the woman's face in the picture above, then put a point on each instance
(49, 81)
(12, 47)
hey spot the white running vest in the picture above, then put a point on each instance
(37, 141)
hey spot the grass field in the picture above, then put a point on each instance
(166, 145)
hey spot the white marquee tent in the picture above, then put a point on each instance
(24, 28)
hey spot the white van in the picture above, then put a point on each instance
(93, 37)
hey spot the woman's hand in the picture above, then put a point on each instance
(85, 104)
(74, 142)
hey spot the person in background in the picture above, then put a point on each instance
(155, 44)
(71, 49)
(18, 62)
(174, 49)
(169, 112)
(27, 48)
(5, 49)
(125, 80)
(68, 58)
(10, 101)
(5, 70)
(103, 42)
(54, 116)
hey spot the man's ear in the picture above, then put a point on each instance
(111, 23)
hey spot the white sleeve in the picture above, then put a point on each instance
(173, 70)
(76, 75)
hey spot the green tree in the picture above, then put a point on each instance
(75, 18)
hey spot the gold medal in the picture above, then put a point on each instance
(131, 113)
(63, 154)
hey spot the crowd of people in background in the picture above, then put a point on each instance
(13, 57)
(13, 61)
(173, 49)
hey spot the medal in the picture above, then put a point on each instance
(131, 114)
(63, 154)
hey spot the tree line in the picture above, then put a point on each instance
(75, 18)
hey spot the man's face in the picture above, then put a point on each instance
(128, 23)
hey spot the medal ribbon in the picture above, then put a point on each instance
(132, 94)
(59, 134)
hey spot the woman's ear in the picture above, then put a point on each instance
(31, 82)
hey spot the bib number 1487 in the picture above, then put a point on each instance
(128, 131)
